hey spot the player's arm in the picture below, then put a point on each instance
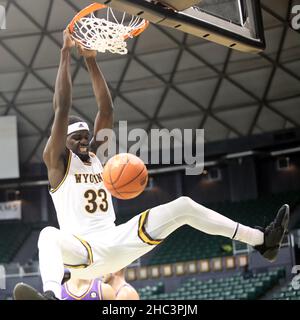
(127, 293)
(55, 151)
(104, 117)
(108, 292)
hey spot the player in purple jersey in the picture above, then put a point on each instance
(124, 291)
(79, 289)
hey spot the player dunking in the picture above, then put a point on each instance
(88, 241)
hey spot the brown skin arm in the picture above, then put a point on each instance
(55, 152)
(104, 117)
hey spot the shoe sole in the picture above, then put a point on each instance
(23, 291)
(285, 219)
(284, 222)
(286, 216)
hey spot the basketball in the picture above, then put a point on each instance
(125, 176)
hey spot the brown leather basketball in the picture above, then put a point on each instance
(125, 176)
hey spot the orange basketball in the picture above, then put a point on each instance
(125, 176)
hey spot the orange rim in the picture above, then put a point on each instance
(98, 6)
(84, 12)
(137, 31)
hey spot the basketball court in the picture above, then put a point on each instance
(230, 68)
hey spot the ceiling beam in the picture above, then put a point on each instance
(168, 83)
(272, 75)
(232, 81)
(278, 17)
(32, 60)
(216, 90)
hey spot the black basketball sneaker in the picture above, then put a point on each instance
(23, 291)
(274, 233)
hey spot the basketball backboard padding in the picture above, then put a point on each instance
(179, 5)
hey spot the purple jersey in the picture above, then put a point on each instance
(122, 286)
(94, 292)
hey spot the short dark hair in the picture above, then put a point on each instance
(74, 119)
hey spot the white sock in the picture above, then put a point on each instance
(55, 287)
(254, 237)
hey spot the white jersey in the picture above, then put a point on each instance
(83, 204)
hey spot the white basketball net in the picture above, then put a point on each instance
(104, 35)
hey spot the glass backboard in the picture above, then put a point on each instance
(236, 24)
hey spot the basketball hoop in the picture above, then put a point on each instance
(105, 34)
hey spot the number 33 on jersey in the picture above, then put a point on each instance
(81, 197)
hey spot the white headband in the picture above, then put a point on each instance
(77, 126)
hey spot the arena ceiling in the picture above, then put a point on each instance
(168, 79)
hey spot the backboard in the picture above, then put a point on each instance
(236, 24)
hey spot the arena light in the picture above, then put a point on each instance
(204, 265)
(240, 155)
(154, 271)
(142, 273)
(285, 151)
(167, 270)
(217, 264)
(230, 262)
(131, 274)
(180, 269)
(179, 168)
(192, 267)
